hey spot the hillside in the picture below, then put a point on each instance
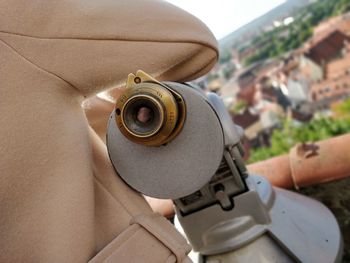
(255, 26)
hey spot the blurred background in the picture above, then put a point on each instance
(284, 75)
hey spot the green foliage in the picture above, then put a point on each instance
(283, 140)
(224, 57)
(343, 110)
(237, 107)
(286, 38)
(211, 76)
(228, 72)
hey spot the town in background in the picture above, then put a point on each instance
(285, 77)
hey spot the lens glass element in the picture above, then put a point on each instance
(143, 116)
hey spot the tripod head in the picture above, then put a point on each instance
(170, 140)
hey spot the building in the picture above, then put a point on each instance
(309, 69)
(294, 78)
(298, 89)
(338, 68)
(248, 79)
(328, 48)
(341, 23)
(329, 91)
(254, 133)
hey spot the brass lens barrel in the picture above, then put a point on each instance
(148, 112)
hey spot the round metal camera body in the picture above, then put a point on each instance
(161, 159)
(170, 140)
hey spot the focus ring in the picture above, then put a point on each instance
(164, 102)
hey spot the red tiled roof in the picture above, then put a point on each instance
(328, 47)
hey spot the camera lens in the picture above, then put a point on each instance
(148, 112)
(143, 115)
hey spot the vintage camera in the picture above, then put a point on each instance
(170, 140)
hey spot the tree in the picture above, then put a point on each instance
(273, 43)
(238, 107)
(342, 110)
(318, 129)
(225, 56)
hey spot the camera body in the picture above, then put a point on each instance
(188, 149)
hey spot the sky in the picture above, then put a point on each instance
(224, 16)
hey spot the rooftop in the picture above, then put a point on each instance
(328, 47)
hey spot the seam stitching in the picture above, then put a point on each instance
(38, 67)
(113, 39)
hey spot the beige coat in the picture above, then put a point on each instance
(60, 199)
